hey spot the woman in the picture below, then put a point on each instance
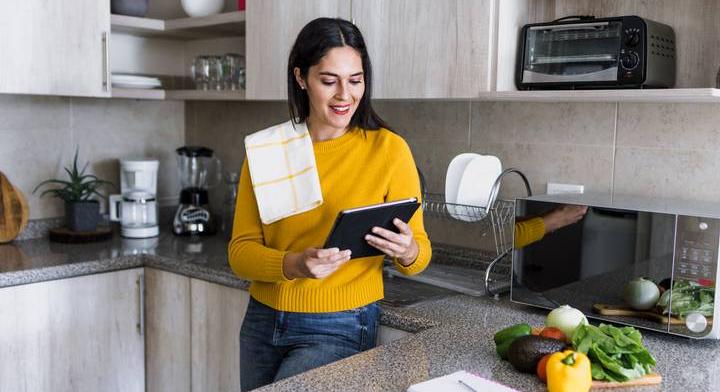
(312, 306)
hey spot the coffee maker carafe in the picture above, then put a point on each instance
(199, 170)
(136, 207)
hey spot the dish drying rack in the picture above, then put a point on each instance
(497, 220)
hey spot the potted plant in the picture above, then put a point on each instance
(82, 212)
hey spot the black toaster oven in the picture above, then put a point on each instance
(617, 52)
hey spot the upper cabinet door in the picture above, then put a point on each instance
(271, 29)
(54, 47)
(427, 48)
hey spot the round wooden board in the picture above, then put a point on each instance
(14, 211)
(64, 235)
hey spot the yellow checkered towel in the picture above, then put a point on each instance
(283, 172)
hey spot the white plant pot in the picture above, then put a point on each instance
(202, 7)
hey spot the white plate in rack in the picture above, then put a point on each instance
(476, 183)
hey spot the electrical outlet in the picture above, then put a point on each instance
(554, 188)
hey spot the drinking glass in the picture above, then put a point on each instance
(200, 72)
(233, 66)
(215, 73)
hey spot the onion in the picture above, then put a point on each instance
(566, 319)
(641, 294)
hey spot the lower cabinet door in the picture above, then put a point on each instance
(217, 314)
(78, 334)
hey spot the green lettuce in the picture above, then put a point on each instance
(616, 354)
(687, 297)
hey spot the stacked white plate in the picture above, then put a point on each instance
(134, 81)
(469, 180)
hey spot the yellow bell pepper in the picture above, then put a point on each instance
(568, 371)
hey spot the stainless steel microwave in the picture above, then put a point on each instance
(588, 264)
(618, 52)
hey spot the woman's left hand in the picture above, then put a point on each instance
(401, 245)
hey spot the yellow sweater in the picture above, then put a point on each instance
(356, 169)
(529, 231)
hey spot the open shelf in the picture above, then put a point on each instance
(677, 95)
(179, 95)
(228, 24)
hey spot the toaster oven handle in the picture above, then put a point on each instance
(574, 17)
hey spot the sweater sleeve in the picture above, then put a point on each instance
(405, 183)
(248, 256)
(529, 231)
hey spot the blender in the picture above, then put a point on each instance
(199, 171)
(136, 207)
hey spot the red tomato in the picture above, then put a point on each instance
(553, 333)
(541, 369)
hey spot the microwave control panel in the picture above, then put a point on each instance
(696, 249)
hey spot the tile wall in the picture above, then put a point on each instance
(665, 150)
(38, 136)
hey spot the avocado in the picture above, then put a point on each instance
(525, 351)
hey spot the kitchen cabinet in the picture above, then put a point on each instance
(78, 334)
(427, 49)
(217, 314)
(167, 331)
(55, 47)
(271, 29)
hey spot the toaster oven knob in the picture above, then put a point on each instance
(629, 60)
(632, 39)
(696, 322)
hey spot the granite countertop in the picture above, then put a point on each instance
(450, 334)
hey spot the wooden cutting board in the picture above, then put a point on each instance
(621, 310)
(14, 211)
(649, 379)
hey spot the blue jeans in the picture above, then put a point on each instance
(275, 345)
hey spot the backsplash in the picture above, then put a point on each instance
(38, 136)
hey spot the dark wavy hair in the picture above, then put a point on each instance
(311, 44)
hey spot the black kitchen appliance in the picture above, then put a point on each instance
(198, 170)
(589, 52)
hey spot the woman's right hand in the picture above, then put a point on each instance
(314, 263)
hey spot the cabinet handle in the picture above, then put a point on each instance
(105, 60)
(141, 304)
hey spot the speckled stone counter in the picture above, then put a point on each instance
(451, 334)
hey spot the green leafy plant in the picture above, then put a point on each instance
(78, 187)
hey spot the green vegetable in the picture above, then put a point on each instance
(506, 336)
(566, 319)
(511, 333)
(616, 354)
(641, 294)
(687, 297)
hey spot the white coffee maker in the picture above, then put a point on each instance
(136, 208)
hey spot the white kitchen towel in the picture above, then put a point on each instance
(282, 167)
(461, 381)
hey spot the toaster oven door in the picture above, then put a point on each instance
(588, 265)
(572, 53)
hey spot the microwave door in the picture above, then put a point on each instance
(590, 262)
(586, 52)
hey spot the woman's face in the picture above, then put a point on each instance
(335, 86)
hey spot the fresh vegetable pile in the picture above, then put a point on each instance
(603, 353)
(687, 297)
(616, 354)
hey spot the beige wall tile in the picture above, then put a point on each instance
(668, 173)
(433, 158)
(446, 121)
(39, 134)
(34, 112)
(559, 123)
(109, 130)
(683, 126)
(590, 166)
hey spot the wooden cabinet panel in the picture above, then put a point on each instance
(167, 332)
(78, 334)
(271, 29)
(54, 47)
(426, 48)
(217, 314)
